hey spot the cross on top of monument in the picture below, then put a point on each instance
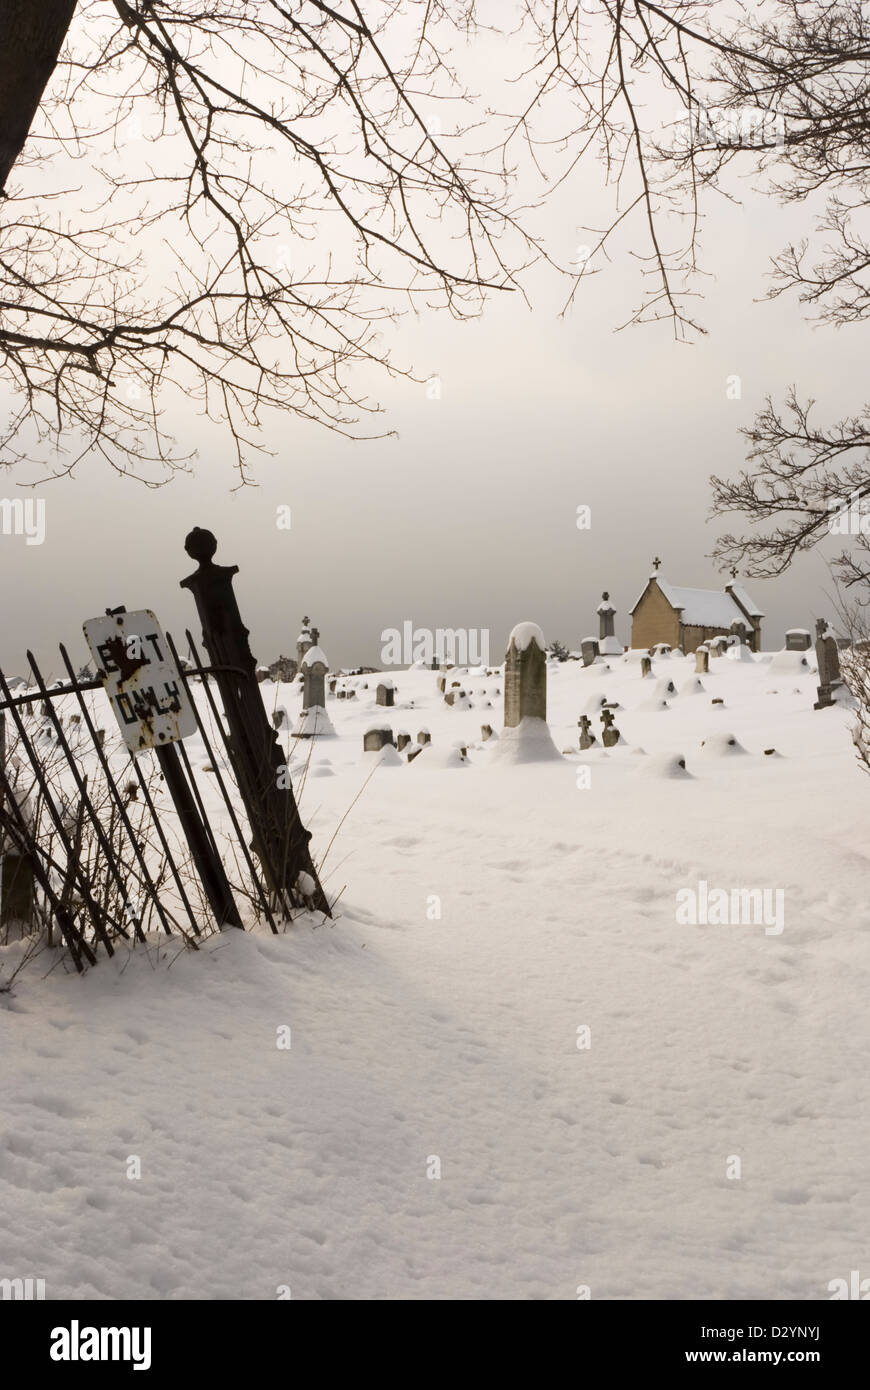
(733, 572)
(305, 622)
(656, 563)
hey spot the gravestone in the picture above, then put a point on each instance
(386, 693)
(485, 731)
(828, 657)
(740, 631)
(376, 739)
(797, 639)
(645, 666)
(609, 734)
(589, 650)
(525, 675)
(717, 645)
(587, 738)
(314, 669)
(702, 661)
(608, 643)
(402, 739)
(424, 737)
(606, 613)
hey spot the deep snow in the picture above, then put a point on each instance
(417, 1036)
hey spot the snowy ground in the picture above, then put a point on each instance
(418, 1038)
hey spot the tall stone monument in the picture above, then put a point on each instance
(608, 643)
(525, 676)
(314, 669)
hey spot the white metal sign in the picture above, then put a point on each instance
(140, 678)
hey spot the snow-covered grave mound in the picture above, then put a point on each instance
(433, 758)
(721, 745)
(530, 741)
(786, 663)
(738, 651)
(314, 723)
(388, 756)
(664, 765)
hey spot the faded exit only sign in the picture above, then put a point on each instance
(140, 678)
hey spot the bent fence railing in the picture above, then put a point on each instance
(98, 844)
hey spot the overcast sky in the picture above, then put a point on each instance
(468, 518)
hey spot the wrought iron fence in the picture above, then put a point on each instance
(98, 845)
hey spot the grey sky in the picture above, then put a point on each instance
(468, 518)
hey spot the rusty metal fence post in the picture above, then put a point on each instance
(279, 837)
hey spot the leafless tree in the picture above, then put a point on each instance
(229, 199)
(232, 201)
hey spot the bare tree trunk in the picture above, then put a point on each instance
(31, 35)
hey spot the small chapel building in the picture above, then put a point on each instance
(685, 618)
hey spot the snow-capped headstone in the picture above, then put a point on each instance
(525, 675)
(606, 613)
(702, 660)
(376, 739)
(797, 639)
(645, 667)
(608, 643)
(386, 692)
(590, 650)
(314, 722)
(314, 668)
